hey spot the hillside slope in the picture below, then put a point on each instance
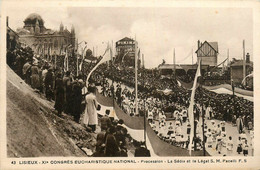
(34, 130)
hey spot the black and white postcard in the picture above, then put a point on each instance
(127, 84)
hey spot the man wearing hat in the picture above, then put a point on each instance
(48, 83)
(59, 94)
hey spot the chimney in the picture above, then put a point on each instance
(247, 58)
(7, 22)
(198, 44)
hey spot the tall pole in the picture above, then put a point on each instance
(113, 89)
(228, 57)
(112, 52)
(203, 113)
(136, 84)
(144, 104)
(96, 51)
(93, 51)
(244, 60)
(203, 128)
(192, 56)
(112, 49)
(77, 57)
(174, 65)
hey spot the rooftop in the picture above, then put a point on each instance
(214, 46)
(240, 63)
(126, 39)
(32, 18)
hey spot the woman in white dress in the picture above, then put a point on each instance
(90, 114)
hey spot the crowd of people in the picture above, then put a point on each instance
(155, 104)
(176, 130)
(65, 89)
(179, 96)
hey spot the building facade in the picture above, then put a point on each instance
(44, 41)
(208, 53)
(12, 39)
(125, 52)
(236, 67)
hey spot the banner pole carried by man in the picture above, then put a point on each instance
(191, 107)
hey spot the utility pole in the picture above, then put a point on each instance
(144, 104)
(136, 74)
(112, 70)
(192, 56)
(203, 123)
(93, 51)
(111, 51)
(174, 63)
(202, 110)
(244, 60)
(228, 56)
(96, 51)
(77, 57)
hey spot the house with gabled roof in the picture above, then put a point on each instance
(208, 53)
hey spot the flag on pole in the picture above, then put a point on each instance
(65, 61)
(105, 57)
(191, 107)
(83, 57)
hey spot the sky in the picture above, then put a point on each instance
(158, 30)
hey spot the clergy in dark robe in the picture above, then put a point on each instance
(59, 94)
(77, 99)
(67, 81)
(240, 124)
